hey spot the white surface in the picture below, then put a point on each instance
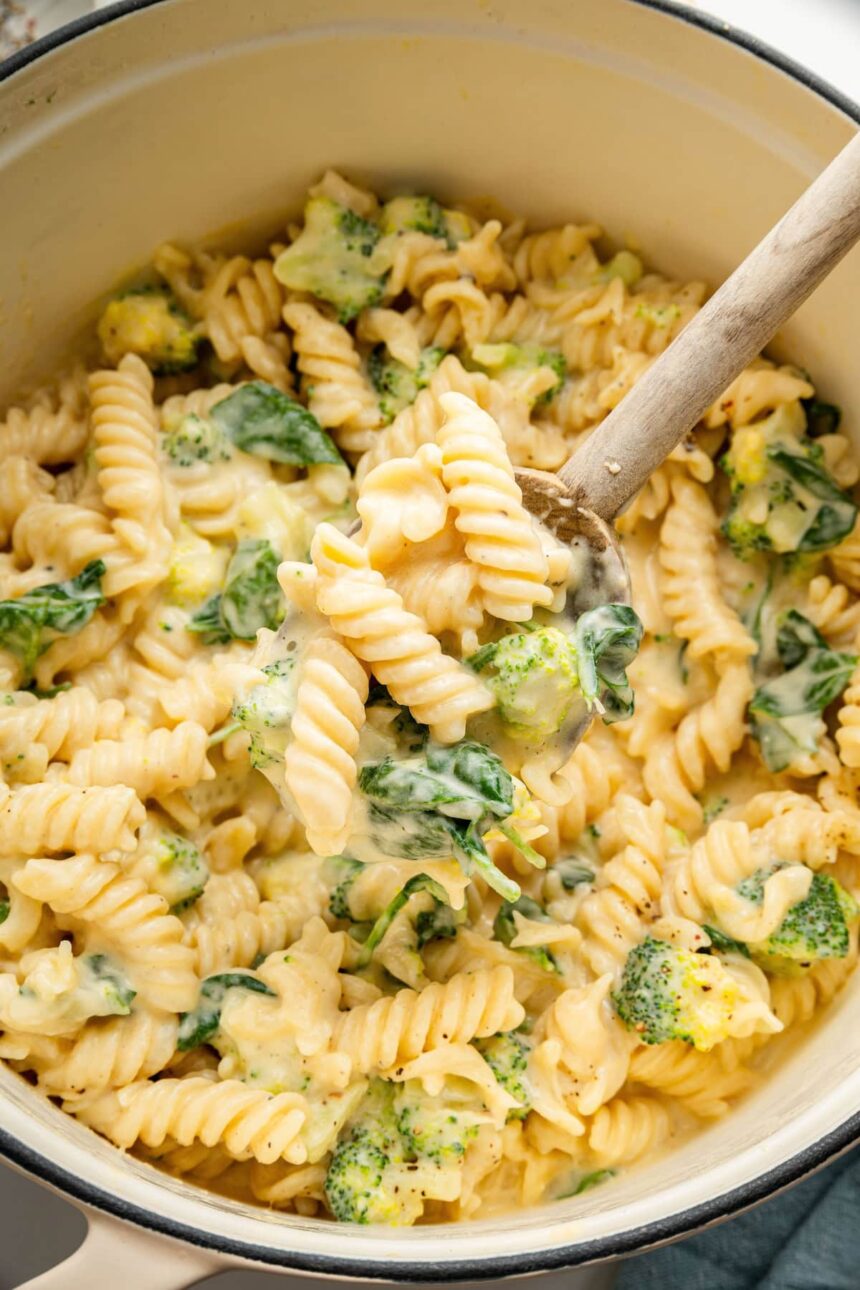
(36, 1229)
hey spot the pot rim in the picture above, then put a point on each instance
(683, 1223)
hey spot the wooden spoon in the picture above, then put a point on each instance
(579, 502)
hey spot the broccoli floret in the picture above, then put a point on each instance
(197, 568)
(180, 873)
(266, 712)
(573, 872)
(414, 214)
(624, 265)
(333, 258)
(343, 872)
(401, 1148)
(535, 679)
(424, 215)
(814, 928)
(364, 1183)
(783, 499)
(500, 359)
(355, 1183)
(669, 993)
(397, 385)
(433, 1131)
(111, 992)
(151, 324)
(507, 1056)
(192, 438)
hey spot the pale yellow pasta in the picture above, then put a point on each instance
(242, 318)
(320, 767)
(690, 585)
(627, 892)
(152, 764)
(697, 1080)
(339, 394)
(626, 1128)
(110, 1053)
(395, 644)
(120, 910)
(72, 720)
(402, 1026)
(124, 434)
(705, 881)
(22, 484)
(501, 540)
(249, 1123)
(60, 817)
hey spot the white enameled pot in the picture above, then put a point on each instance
(180, 118)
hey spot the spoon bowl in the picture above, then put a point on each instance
(600, 570)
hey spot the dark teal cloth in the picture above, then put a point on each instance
(806, 1239)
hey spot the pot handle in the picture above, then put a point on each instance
(116, 1254)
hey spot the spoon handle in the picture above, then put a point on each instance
(735, 324)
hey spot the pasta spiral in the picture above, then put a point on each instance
(59, 817)
(160, 762)
(395, 643)
(401, 1027)
(250, 1123)
(124, 434)
(705, 881)
(339, 394)
(135, 920)
(626, 1128)
(320, 760)
(109, 1053)
(690, 581)
(501, 540)
(627, 890)
(697, 1080)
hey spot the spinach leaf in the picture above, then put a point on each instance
(465, 780)
(835, 516)
(5, 910)
(725, 944)
(259, 419)
(250, 598)
(438, 803)
(109, 982)
(821, 418)
(786, 710)
(436, 924)
(606, 641)
(573, 872)
(421, 882)
(29, 624)
(587, 1181)
(505, 930)
(338, 902)
(197, 1027)
(208, 624)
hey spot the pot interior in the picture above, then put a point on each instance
(187, 118)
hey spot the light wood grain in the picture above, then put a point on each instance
(734, 326)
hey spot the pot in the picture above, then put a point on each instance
(177, 118)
